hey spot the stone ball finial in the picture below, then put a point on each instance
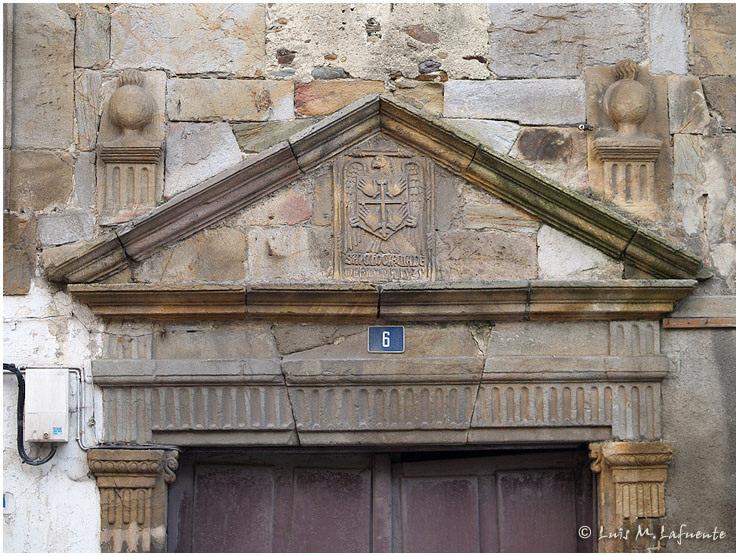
(131, 106)
(627, 100)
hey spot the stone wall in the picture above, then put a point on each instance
(231, 81)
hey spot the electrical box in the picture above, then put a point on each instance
(46, 410)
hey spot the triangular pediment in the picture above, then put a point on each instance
(412, 134)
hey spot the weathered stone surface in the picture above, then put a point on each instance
(19, 254)
(320, 97)
(699, 413)
(668, 39)
(428, 97)
(39, 179)
(287, 206)
(558, 40)
(483, 211)
(463, 255)
(92, 40)
(720, 92)
(688, 109)
(291, 338)
(255, 137)
(533, 101)
(377, 41)
(196, 152)
(214, 341)
(557, 152)
(703, 197)
(328, 72)
(43, 77)
(210, 256)
(712, 39)
(563, 257)
(541, 338)
(499, 136)
(65, 227)
(189, 38)
(84, 180)
(289, 253)
(87, 107)
(229, 99)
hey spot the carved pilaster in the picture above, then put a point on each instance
(133, 497)
(631, 494)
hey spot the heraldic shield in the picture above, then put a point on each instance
(384, 210)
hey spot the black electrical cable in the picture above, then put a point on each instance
(21, 402)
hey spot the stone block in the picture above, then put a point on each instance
(376, 41)
(87, 107)
(209, 256)
(19, 254)
(483, 211)
(214, 341)
(65, 227)
(558, 40)
(326, 97)
(562, 257)
(472, 255)
(712, 48)
(704, 191)
(39, 179)
(289, 253)
(688, 109)
(84, 180)
(287, 206)
(292, 338)
(531, 101)
(668, 39)
(92, 39)
(196, 152)
(189, 38)
(257, 136)
(541, 338)
(229, 99)
(428, 97)
(499, 136)
(559, 153)
(43, 77)
(720, 92)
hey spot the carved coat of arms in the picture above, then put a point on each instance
(383, 208)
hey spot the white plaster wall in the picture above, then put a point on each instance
(57, 507)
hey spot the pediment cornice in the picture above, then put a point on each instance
(228, 192)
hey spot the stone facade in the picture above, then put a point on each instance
(229, 235)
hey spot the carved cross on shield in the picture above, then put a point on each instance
(382, 203)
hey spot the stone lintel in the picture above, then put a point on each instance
(523, 300)
(164, 302)
(352, 302)
(631, 493)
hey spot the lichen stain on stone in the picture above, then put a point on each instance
(544, 144)
(262, 100)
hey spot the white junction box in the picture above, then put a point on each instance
(46, 411)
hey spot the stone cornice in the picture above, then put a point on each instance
(233, 190)
(434, 301)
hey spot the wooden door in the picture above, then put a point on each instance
(364, 503)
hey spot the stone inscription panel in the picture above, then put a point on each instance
(384, 229)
